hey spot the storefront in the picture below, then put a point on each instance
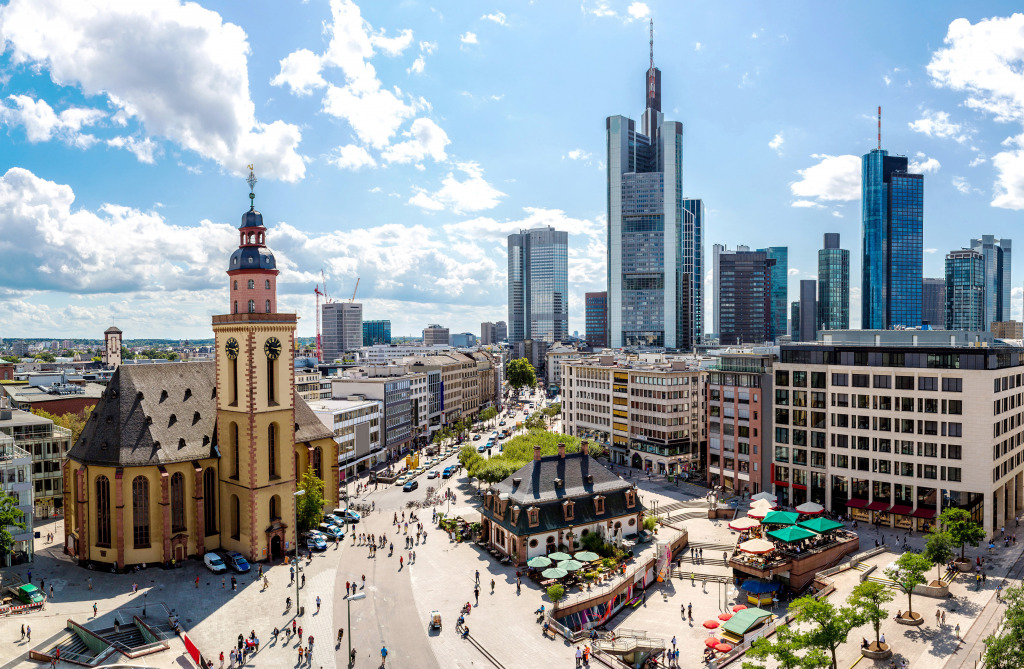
(902, 517)
(858, 510)
(925, 519)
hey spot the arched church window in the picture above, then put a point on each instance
(268, 306)
(236, 284)
(103, 511)
(252, 306)
(210, 500)
(272, 449)
(317, 463)
(266, 284)
(252, 284)
(178, 501)
(140, 511)
(236, 306)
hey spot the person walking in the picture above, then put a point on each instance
(938, 617)
(579, 657)
(492, 586)
(478, 577)
(943, 617)
(476, 593)
(383, 655)
(95, 610)
(957, 630)
(318, 603)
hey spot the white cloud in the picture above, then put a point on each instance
(837, 214)
(923, 164)
(417, 65)
(1009, 186)
(978, 160)
(638, 10)
(42, 123)
(931, 250)
(886, 79)
(603, 9)
(497, 17)
(792, 271)
(961, 185)
(144, 149)
(426, 139)
(937, 124)
(374, 115)
(834, 178)
(698, 46)
(351, 157)
(470, 194)
(428, 47)
(203, 105)
(806, 204)
(468, 38)
(577, 154)
(300, 71)
(776, 143)
(392, 46)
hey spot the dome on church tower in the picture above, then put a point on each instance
(252, 219)
(252, 257)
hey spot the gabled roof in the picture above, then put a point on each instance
(537, 480)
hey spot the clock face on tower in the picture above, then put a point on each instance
(231, 348)
(272, 348)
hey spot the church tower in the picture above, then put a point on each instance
(112, 347)
(255, 401)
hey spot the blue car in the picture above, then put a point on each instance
(316, 541)
(447, 473)
(332, 531)
(236, 562)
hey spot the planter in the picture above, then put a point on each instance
(964, 566)
(916, 620)
(877, 651)
(940, 590)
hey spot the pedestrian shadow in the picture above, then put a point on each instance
(940, 642)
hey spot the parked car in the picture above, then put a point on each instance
(501, 424)
(410, 485)
(432, 474)
(447, 473)
(347, 513)
(481, 449)
(476, 437)
(332, 531)
(316, 541)
(236, 562)
(214, 563)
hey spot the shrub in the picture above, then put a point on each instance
(556, 592)
(650, 522)
(608, 563)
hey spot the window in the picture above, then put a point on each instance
(275, 508)
(928, 383)
(955, 430)
(928, 450)
(861, 380)
(781, 435)
(781, 454)
(955, 407)
(782, 416)
(234, 451)
(236, 284)
(236, 518)
(952, 385)
(800, 379)
(630, 499)
(781, 397)
(817, 379)
(904, 383)
(140, 511)
(252, 306)
(533, 513)
(272, 450)
(317, 463)
(567, 509)
(930, 471)
(599, 505)
(953, 474)
(177, 501)
(252, 284)
(954, 451)
(782, 377)
(236, 306)
(210, 501)
(102, 511)
(882, 381)
(266, 284)
(840, 379)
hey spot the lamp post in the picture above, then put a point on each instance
(145, 596)
(298, 609)
(361, 595)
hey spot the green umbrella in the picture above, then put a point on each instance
(558, 557)
(781, 518)
(820, 525)
(554, 572)
(539, 562)
(570, 565)
(586, 556)
(791, 534)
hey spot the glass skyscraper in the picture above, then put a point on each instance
(376, 332)
(597, 319)
(933, 302)
(743, 294)
(780, 288)
(538, 285)
(892, 212)
(655, 237)
(965, 290)
(833, 285)
(996, 254)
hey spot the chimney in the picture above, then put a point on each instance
(585, 447)
(561, 451)
(536, 453)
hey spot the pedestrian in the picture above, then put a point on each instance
(383, 655)
(492, 586)
(231, 659)
(23, 630)
(943, 617)
(881, 638)
(222, 660)
(95, 610)
(937, 617)
(234, 583)
(478, 577)
(401, 561)
(957, 630)
(302, 651)
(476, 593)
(673, 641)
(364, 581)
(318, 603)
(197, 582)
(28, 632)
(579, 657)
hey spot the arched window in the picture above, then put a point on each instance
(272, 449)
(251, 237)
(275, 508)
(268, 306)
(103, 511)
(317, 463)
(271, 390)
(236, 284)
(234, 450)
(236, 517)
(252, 306)
(252, 284)
(178, 501)
(267, 284)
(236, 306)
(140, 511)
(210, 500)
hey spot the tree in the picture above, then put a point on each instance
(939, 550)
(829, 626)
(520, 374)
(785, 649)
(310, 505)
(868, 598)
(10, 516)
(961, 528)
(46, 356)
(72, 421)
(556, 592)
(488, 414)
(97, 358)
(1005, 648)
(908, 573)
(11, 358)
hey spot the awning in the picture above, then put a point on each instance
(902, 510)
(878, 506)
(924, 513)
(857, 503)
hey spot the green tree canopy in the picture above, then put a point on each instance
(908, 573)
(516, 452)
(72, 421)
(827, 626)
(520, 374)
(939, 550)
(868, 598)
(787, 649)
(311, 504)
(10, 516)
(961, 528)
(11, 358)
(1005, 648)
(46, 356)
(488, 414)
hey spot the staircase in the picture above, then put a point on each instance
(128, 637)
(73, 649)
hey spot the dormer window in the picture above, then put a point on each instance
(630, 499)
(567, 509)
(515, 514)
(533, 513)
(599, 504)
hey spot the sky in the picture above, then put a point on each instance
(401, 142)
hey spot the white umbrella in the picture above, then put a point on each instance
(741, 524)
(763, 505)
(765, 495)
(757, 546)
(810, 508)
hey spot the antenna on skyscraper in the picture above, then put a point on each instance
(652, 43)
(879, 127)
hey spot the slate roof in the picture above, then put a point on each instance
(159, 414)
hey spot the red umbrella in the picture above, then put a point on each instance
(724, 616)
(710, 624)
(723, 648)
(711, 642)
(738, 608)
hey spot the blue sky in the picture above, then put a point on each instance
(401, 142)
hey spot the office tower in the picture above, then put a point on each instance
(794, 321)
(933, 302)
(538, 285)
(743, 290)
(780, 288)
(435, 334)
(1007, 330)
(654, 240)
(487, 334)
(808, 310)
(342, 328)
(717, 250)
(376, 332)
(833, 285)
(463, 339)
(597, 319)
(500, 331)
(965, 290)
(996, 253)
(892, 202)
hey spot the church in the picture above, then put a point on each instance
(179, 459)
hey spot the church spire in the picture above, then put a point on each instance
(651, 119)
(251, 179)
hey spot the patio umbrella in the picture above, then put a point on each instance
(758, 512)
(586, 556)
(558, 557)
(763, 503)
(539, 562)
(757, 546)
(781, 518)
(738, 608)
(820, 525)
(723, 648)
(764, 496)
(711, 624)
(711, 642)
(724, 616)
(754, 586)
(810, 508)
(570, 565)
(791, 534)
(554, 572)
(741, 524)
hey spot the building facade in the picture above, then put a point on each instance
(597, 319)
(743, 296)
(997, 257)
(1007, 330)
(308, 384)
(833, 285)
(933, 302)
(356, 424)
(48, 445)
(538, 285)
(342, 328)
(808, 309)
(780, 289)
(965, 290)
(435, 335)
(487, 334)
(376, 332)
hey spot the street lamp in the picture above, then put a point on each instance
(361, 595)
(298, 609)
(145, 595)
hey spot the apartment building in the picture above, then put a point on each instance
(355, 422)
(308, 385)
(16, 481)
(390, 386)
(895, 426)
(48, 444)
(459, 383)
(648, 413)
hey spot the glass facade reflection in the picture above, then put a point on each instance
(833, 285)
(965, 290)
(538, 285)
(996, 254)
(780, 289)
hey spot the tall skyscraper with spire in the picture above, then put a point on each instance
(655, 247)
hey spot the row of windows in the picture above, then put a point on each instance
(252, 306)
(252, 284)
(897, 468)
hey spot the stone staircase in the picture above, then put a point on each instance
(72, 648)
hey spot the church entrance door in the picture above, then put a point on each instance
(275, 546)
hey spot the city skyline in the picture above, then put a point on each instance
(414, 196)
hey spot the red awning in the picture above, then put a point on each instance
(878, 506)
(924, 513)
(857, 503)
(901, 510)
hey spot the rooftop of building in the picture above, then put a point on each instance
(29, 394)
(554, 477)
(341, 405)
(21, 418)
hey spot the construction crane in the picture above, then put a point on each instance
(319, 348)
(323, 277)
(353, 298)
